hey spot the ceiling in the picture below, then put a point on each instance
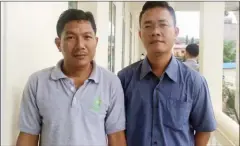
(188, 6)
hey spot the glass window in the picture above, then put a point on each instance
(130, 48)
(130, 42)
(123, 36)
(111, 37)
(72, 5)
(230, 99)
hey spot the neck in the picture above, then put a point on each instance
(159, 63)
(77, 73)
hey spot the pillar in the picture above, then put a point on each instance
(211, 48)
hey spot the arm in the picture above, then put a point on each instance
(25, 139)
(202, 116)
(29, 118)
(117, 139)
(115, 119)
(202, 138)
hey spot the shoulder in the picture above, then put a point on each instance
(129, 70)
(107, 76)
(40, 75)
(191, 77)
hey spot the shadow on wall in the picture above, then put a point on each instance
(17, 96)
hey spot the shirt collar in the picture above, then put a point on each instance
(191, 60)
(58, 74)
(171, 69)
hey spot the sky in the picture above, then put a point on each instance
(188, 23)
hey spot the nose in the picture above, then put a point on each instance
(156, 32)
(80, 43)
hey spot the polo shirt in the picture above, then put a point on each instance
(63, 115)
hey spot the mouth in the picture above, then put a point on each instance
(156, 41)
(80, 56)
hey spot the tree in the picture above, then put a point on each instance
(229, 53)
(192, 40)
(186, 40)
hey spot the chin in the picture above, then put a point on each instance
(159, 50)
(81, 63)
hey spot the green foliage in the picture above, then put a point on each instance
(228, 101)
(229, 53)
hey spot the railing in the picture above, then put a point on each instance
(227, 133)
(213, 141)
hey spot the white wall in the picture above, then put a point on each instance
(28, 45)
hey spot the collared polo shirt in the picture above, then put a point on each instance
(166, 110)
(63, 115)
(192, 63)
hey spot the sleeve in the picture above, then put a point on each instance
(202, 116)
(115, 119)
(29, 118)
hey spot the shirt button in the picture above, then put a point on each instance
(73, 89)
(155, 143)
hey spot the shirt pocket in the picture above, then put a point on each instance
(176, 113)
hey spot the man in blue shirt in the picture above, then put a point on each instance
(167, 103)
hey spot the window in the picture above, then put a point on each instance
(130, 43)
(111, 37)
(72, 5)
(230, 90)
(123, 35)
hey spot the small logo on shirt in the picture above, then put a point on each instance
(97, 104)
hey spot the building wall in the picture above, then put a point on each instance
(230, 31)
(29, 30)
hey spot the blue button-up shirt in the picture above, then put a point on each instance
(165, 111)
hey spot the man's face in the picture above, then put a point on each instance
(157, 31)
(77, 43)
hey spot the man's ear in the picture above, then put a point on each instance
(176, 31)
(139, 33)
(58, 43)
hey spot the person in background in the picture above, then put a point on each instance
(75, 102)
(191, 54)
(166, 102)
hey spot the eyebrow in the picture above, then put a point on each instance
(69, 32)
(150, 21)
(87, 33)
(72, 33)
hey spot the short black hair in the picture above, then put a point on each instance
(192, 49)
(74, 14)
(154, 4)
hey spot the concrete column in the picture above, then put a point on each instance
(136, 51)
(237, 64)
(211, 48)
(118, 37)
